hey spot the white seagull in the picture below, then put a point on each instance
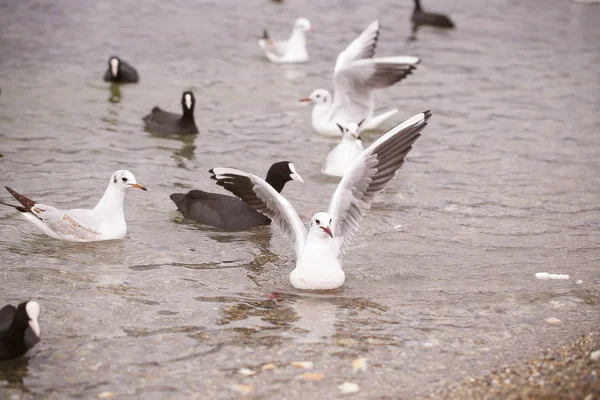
(292, 50)
(355, 77)
(341, 156)
(106, 221)
(319, 251)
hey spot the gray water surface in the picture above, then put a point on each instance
(504, 183)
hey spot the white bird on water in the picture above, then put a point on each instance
(341, 156)
(292, 50)
(106, 221)
(319, 251)
(355, 78)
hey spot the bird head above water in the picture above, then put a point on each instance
(188, 102)
(318, 96)
(27, 314)
(320, 225)
(123, 179)
(282, 172)
(302, 25)
(114, 63)
(350, 130)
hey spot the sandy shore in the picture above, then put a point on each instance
(568, 372)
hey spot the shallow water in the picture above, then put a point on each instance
(440, 284)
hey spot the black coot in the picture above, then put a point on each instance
(119, 71)
(421, 17)
(228, 212)
(19, 329)
(166, 123)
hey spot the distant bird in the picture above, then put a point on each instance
(228, 212)
(19, 329)
(106, 221)
(320, 250)
(166, 123)
(119, 71)
(355, 78)
(421, 17)
(292, 50)
(341, 156)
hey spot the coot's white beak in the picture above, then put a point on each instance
(35, 327)
(294, 175)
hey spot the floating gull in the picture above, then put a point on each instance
(319, 251)
(341, 156)
(106, 221)
(292, 50)
(355, 78)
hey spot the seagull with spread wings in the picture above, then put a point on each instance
(356, 76)
(320, 249)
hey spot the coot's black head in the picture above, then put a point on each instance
(27, 314)
(282, 172)
(188, 102)
(114, 63)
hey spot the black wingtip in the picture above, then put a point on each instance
(428, 114)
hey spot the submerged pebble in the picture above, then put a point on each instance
(348, 388)
(303, 364)
(546, 275)
(246, 372)
(553, 321)
(359, 364)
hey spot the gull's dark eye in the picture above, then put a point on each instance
(124, 179)
(317, 221)
(329, 221)
(318, 96)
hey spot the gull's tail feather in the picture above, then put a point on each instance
(18, 208)
(26, 201)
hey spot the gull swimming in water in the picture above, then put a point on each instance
(341, 156)
(292, 50)
(319, 251)
(356, 76)
(106, 221)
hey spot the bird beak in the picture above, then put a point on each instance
(138, 186)
(354, 135)
(35, 327)
(327, 231)
(297, 177)
(305, 100)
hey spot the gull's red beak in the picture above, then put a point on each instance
(304, 100)
(327, 231)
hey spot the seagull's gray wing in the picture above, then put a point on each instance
(368, 174)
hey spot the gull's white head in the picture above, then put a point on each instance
(114, 62)
(349, 130)
(32, 309)
(124, 179)
(320, 225)
(188, 101)
(319, 96)
(303, 25)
